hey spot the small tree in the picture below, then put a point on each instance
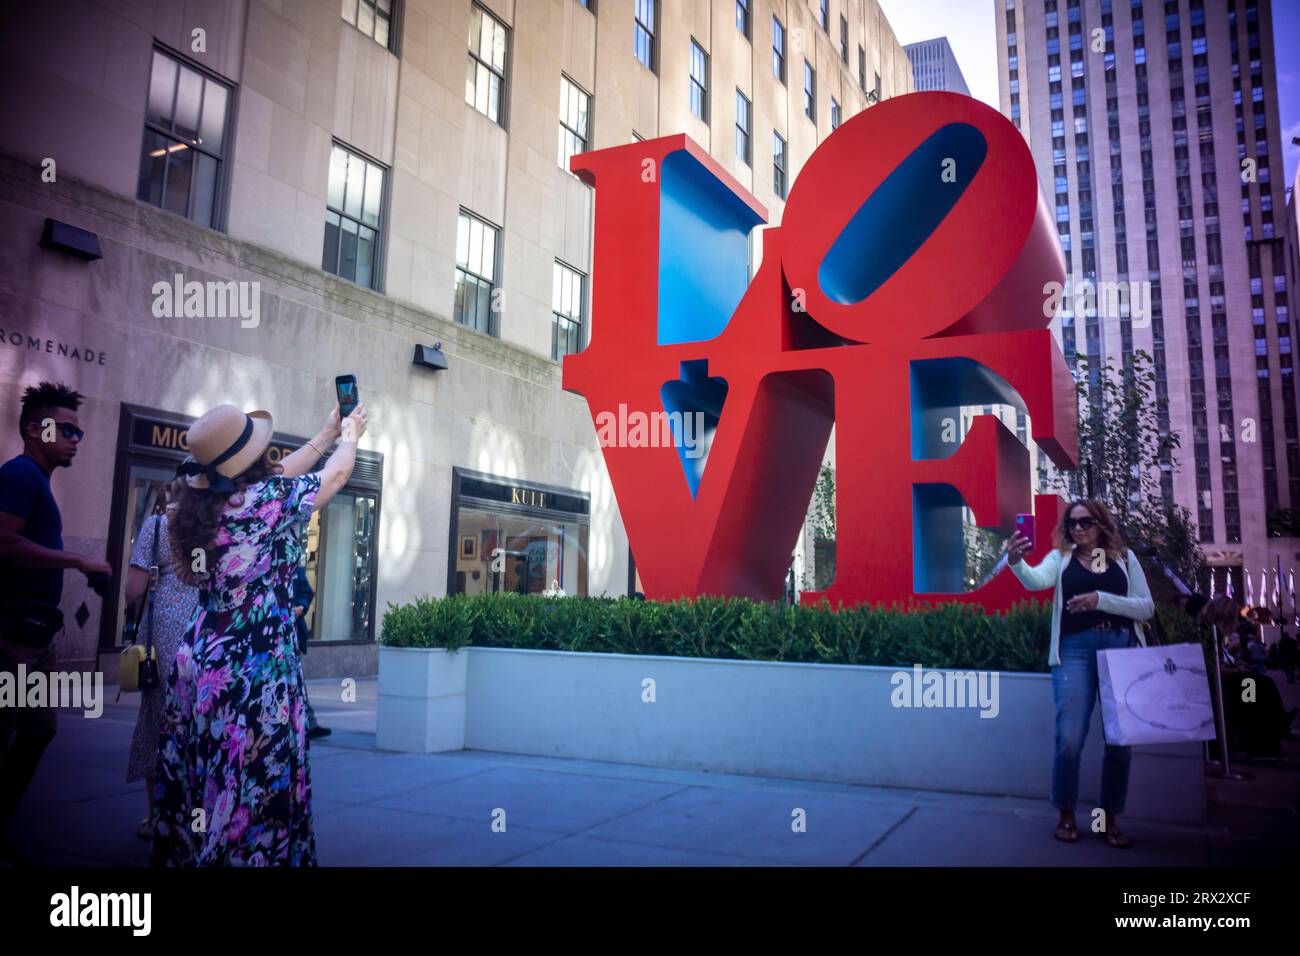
(983, 552)
(823, 527)
(1122, 451)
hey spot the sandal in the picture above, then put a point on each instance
(1118, 840)
(1067, 832)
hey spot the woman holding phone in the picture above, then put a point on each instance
(233, 748)
(1100, 594)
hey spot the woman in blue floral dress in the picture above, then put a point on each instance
(233, 781)
(174, 603)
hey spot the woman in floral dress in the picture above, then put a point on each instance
(174, 603)
(234, 784)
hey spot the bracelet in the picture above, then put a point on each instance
(316, 450)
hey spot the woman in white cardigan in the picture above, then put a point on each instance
(1100, 594)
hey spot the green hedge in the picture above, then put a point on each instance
(947, 635)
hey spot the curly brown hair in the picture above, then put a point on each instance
(1108, 536)
(197, 516)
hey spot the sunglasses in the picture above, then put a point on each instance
(72, 431)
(1083, 524)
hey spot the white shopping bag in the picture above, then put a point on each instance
(1155, 695)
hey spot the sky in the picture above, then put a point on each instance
(972, 31)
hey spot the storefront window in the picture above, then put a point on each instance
(340, 543)
(516, 538)
(534, 554)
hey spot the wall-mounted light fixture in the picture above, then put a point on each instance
(76, 242)
(430, 357)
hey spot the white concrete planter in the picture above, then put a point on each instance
(804, 721)
(421, 699)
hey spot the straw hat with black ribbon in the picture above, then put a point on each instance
(224, 444)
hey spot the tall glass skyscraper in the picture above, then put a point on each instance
(1154, 127)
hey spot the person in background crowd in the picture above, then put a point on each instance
(1256, 719)
(1288, 655)
(302, 596)
(32, 562)
(1251, 651)
(1100, 590)
(234, 738)
(174, 604)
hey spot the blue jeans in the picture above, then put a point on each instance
(1074, 686)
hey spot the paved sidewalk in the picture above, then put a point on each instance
(378, 808)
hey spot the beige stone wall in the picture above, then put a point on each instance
(499, 408)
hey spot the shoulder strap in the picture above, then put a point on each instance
(154, 572)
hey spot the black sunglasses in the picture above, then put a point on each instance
(1083, 524)
(72, 431)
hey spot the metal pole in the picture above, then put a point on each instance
(1281, 596)
(1223, 769)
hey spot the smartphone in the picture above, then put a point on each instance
(1025, 525)
(345, 387)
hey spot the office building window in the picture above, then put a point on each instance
(699, 82)
(185, 127)
(575, 107)
(485, 73)
(476, 271)
(566, 311)
(374, 18)
(743, 129)
(844, 40)
(835, 113)
(353, 206)
(742, 17)
(778, 50)
(823, 14)
(778, 165)
(862, 69)
(644, 33)
(809, 91)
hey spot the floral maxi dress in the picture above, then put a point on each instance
(233, 785)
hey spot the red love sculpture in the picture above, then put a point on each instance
(907, 279)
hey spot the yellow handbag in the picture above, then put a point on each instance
(130, 662)
(138, 663)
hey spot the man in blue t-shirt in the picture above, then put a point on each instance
(32, 562)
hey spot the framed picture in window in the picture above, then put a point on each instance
(469, 547)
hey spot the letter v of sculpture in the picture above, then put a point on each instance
(906, 279)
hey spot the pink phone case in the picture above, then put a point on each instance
(1025, 525)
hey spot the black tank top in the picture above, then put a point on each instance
(1079, 578)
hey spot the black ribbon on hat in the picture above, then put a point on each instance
(216, 481)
